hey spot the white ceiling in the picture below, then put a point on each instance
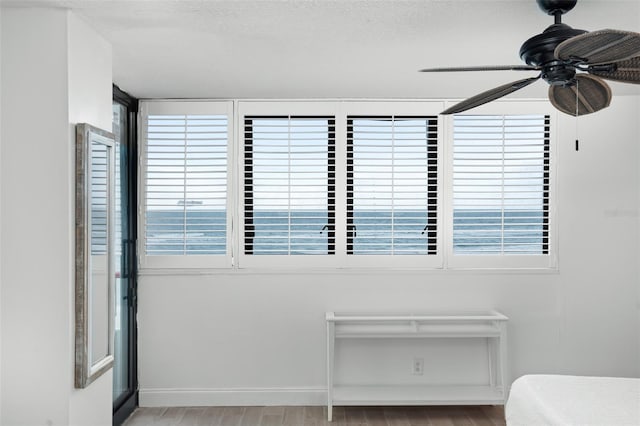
(325, 48)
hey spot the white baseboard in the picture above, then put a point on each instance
(231, 397)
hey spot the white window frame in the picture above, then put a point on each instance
(445, 259)
(390, 108)
(279, 108)
(340, 110)
(178, 107)
(497, 262)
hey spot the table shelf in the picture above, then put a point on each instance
(416, 395)
(352, 331)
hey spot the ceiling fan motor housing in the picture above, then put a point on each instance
(539, 49)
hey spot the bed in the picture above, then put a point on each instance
(536, 400)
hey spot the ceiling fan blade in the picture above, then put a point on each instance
(484, 68)
(589, 94)
(625, 71)
(490, 95)
(600, 47)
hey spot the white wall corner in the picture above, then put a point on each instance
(0, 213)
(90, 101)
(90, 75)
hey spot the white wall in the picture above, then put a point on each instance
(35, 200)
(48, 81)
(90, 98)
(0, 208)
(258, 337)
(638, 300)
(599, 245)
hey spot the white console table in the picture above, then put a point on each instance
(491, 326)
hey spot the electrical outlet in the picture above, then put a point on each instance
(418, 366)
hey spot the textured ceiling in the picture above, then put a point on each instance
(323, 48)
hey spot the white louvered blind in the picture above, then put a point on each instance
(119, 117)
(392, 178)
(289, 185)
(99, 195)
(186, 184)
(501, 184)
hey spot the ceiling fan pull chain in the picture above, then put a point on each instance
(577, 112)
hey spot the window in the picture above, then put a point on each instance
(185, 182)
(501, 185)
(289, 185)
(346, 184)
(392, 185)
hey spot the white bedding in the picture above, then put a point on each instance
(536, 400)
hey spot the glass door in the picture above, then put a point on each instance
(125, 386)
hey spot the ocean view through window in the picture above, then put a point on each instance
(289, 186)
(186, 185)
(392, 173)
(349, 184)
(501, 184)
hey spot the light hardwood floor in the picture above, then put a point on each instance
(317, 416)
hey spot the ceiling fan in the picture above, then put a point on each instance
(574, 63)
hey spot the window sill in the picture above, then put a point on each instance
(345, 271)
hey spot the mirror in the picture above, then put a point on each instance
(95, 272)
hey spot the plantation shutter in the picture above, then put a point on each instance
(185, 184)
(501, 184)
(99, 196)
(289, 185)
(392, 179)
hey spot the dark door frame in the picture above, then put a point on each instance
(124, 405)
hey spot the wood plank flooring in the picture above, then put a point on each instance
(317, 416)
